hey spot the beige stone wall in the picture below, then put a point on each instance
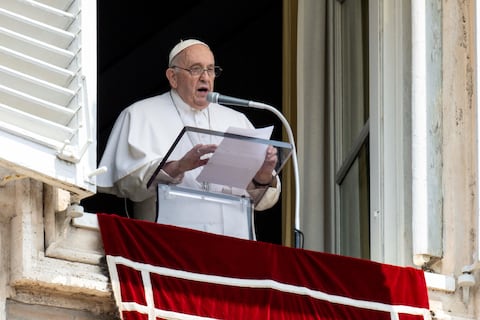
(50, 268)
(459, 154)
(22, 311)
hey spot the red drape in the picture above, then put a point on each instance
(167, 272)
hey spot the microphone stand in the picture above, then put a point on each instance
(298, 233)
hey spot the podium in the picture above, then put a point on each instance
(213, 198)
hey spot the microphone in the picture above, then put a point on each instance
(216, 97)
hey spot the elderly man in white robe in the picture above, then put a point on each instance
(144, 132)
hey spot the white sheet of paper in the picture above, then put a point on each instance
(235, 162)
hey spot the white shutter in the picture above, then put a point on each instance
(48, 91)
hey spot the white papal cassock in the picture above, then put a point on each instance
(141, 137)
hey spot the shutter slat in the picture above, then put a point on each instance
(35, 67)
(37, 49)
(36, 87)
(59, 4)
(33, 126)
(40, 12)
(32, 28)
(40, 108)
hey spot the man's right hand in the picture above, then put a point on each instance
(191, 160)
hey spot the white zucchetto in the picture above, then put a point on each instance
(182, 45)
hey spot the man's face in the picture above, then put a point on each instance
(193, 89)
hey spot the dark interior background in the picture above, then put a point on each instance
(134, 39)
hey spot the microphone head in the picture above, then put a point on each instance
(213, 97)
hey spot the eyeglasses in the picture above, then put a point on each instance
(197, 71)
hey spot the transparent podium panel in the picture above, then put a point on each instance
(214, 197)
(234, 163)
(205, 211)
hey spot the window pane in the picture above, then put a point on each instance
(351, 112)
(354, 209)
(354, 64)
